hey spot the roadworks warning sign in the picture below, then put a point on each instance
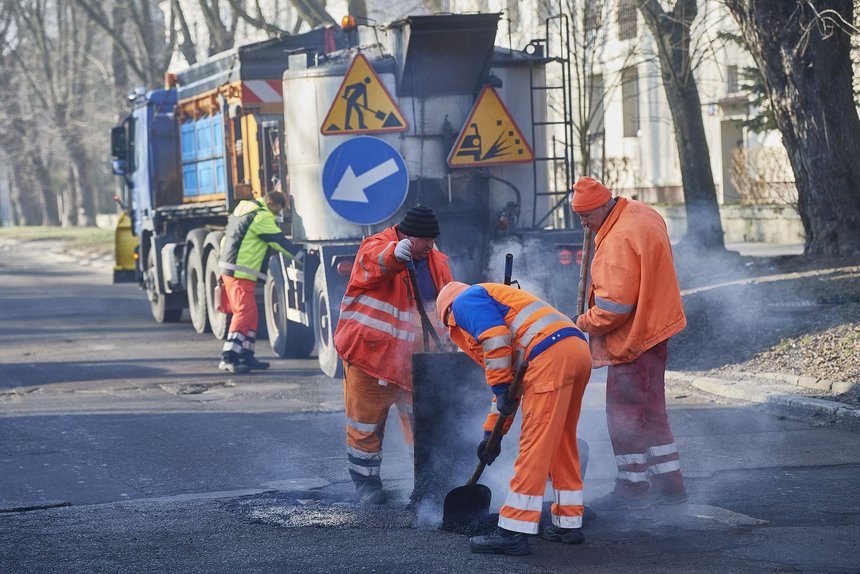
(490, 136)
(362, 104)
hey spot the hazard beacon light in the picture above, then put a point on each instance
(347, 23)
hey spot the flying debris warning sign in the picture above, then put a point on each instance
(489, 136)
(362, 104)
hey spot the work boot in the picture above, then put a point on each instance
(555, 533)
(501, 542)
(661, 497)
(249, 360)
(369, 489)
(230, 363)
(614, 501)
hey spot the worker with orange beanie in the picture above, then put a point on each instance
(634, 307)
(377, 335)
(500, 326)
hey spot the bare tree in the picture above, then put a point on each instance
(803, 49)
(672, 34)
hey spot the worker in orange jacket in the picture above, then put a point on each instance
(634, 308)
(377, 334)
(500, 326)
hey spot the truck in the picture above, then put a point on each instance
(423, 110)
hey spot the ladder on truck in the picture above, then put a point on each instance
(557, 119)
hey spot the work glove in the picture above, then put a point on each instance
(403, 250)
(488, 457)
(504, 406)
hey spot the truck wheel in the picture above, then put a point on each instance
(288, 339)
(324, 326)
(219, 322)
(196, 289)
(164, 306)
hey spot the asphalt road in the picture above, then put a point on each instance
(123, 448)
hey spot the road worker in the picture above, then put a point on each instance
(378, 331)
(251, 230)
(500, 326)
(634, 308)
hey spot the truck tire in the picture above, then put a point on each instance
(165, 307)
(195, 287)
(324, 328)
(219, 322)
(288, 339)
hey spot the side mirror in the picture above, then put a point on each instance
(118, 143)
(119, 166)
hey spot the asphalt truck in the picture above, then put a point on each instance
(424, 110)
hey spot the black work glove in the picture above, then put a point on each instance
(504, 406)
(488, 457)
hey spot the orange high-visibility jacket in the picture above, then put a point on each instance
(634, 299)
(379, 327)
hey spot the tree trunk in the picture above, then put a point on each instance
(806, 65)
(672, 36)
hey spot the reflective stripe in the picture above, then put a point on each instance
(662, 450)
(500, 363)
(622, 459)
(524, 315)
(362, 427)
(664, 467)
(378, 324)
(496, 342)
(404, 408)
(568, 497)
(381, 258)
(524, 501)
(567, 521)
(234, 346)
(242, 268)
(363, 470)
(355, 453)
(632, 476)
(514, 525)
(540, 325)
(368, 301)
(612, 306)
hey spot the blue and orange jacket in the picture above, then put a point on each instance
(499, 326)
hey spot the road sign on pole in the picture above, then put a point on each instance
(365, 180)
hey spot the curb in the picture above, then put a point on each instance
(776, 394)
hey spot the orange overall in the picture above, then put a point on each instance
(499, 326)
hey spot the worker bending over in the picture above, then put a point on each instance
(500, 326)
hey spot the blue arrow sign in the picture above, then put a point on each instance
(365, 180)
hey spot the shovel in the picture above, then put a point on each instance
(471, 502)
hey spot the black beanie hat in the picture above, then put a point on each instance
(420, 221)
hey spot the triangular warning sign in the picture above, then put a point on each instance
(489, 136)
(362, 104)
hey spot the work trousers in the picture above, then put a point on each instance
(553, 387)
(645, 451)
(242, 334)
(368, 401)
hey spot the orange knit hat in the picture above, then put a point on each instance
(589, 194)
(446, 297)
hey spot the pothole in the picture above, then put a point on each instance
(194, 388)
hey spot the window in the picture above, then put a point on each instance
(627, 18)
(732, 80)
(630, 101)
(595, 95)
(593, 17)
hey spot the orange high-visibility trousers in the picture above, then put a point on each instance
(367, 404)
(553, 388)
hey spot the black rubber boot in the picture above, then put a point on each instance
(369, 489)
(230, 363)
(248, 359)
(501, 542)
(555, 533)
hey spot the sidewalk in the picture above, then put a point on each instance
(781, 392)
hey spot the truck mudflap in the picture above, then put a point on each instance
(125, 251)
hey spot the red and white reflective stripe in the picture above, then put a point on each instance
(260, 91)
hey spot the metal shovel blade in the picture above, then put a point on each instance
(465, 505)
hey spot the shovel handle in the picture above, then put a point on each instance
(496, 436)
(426, 325)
